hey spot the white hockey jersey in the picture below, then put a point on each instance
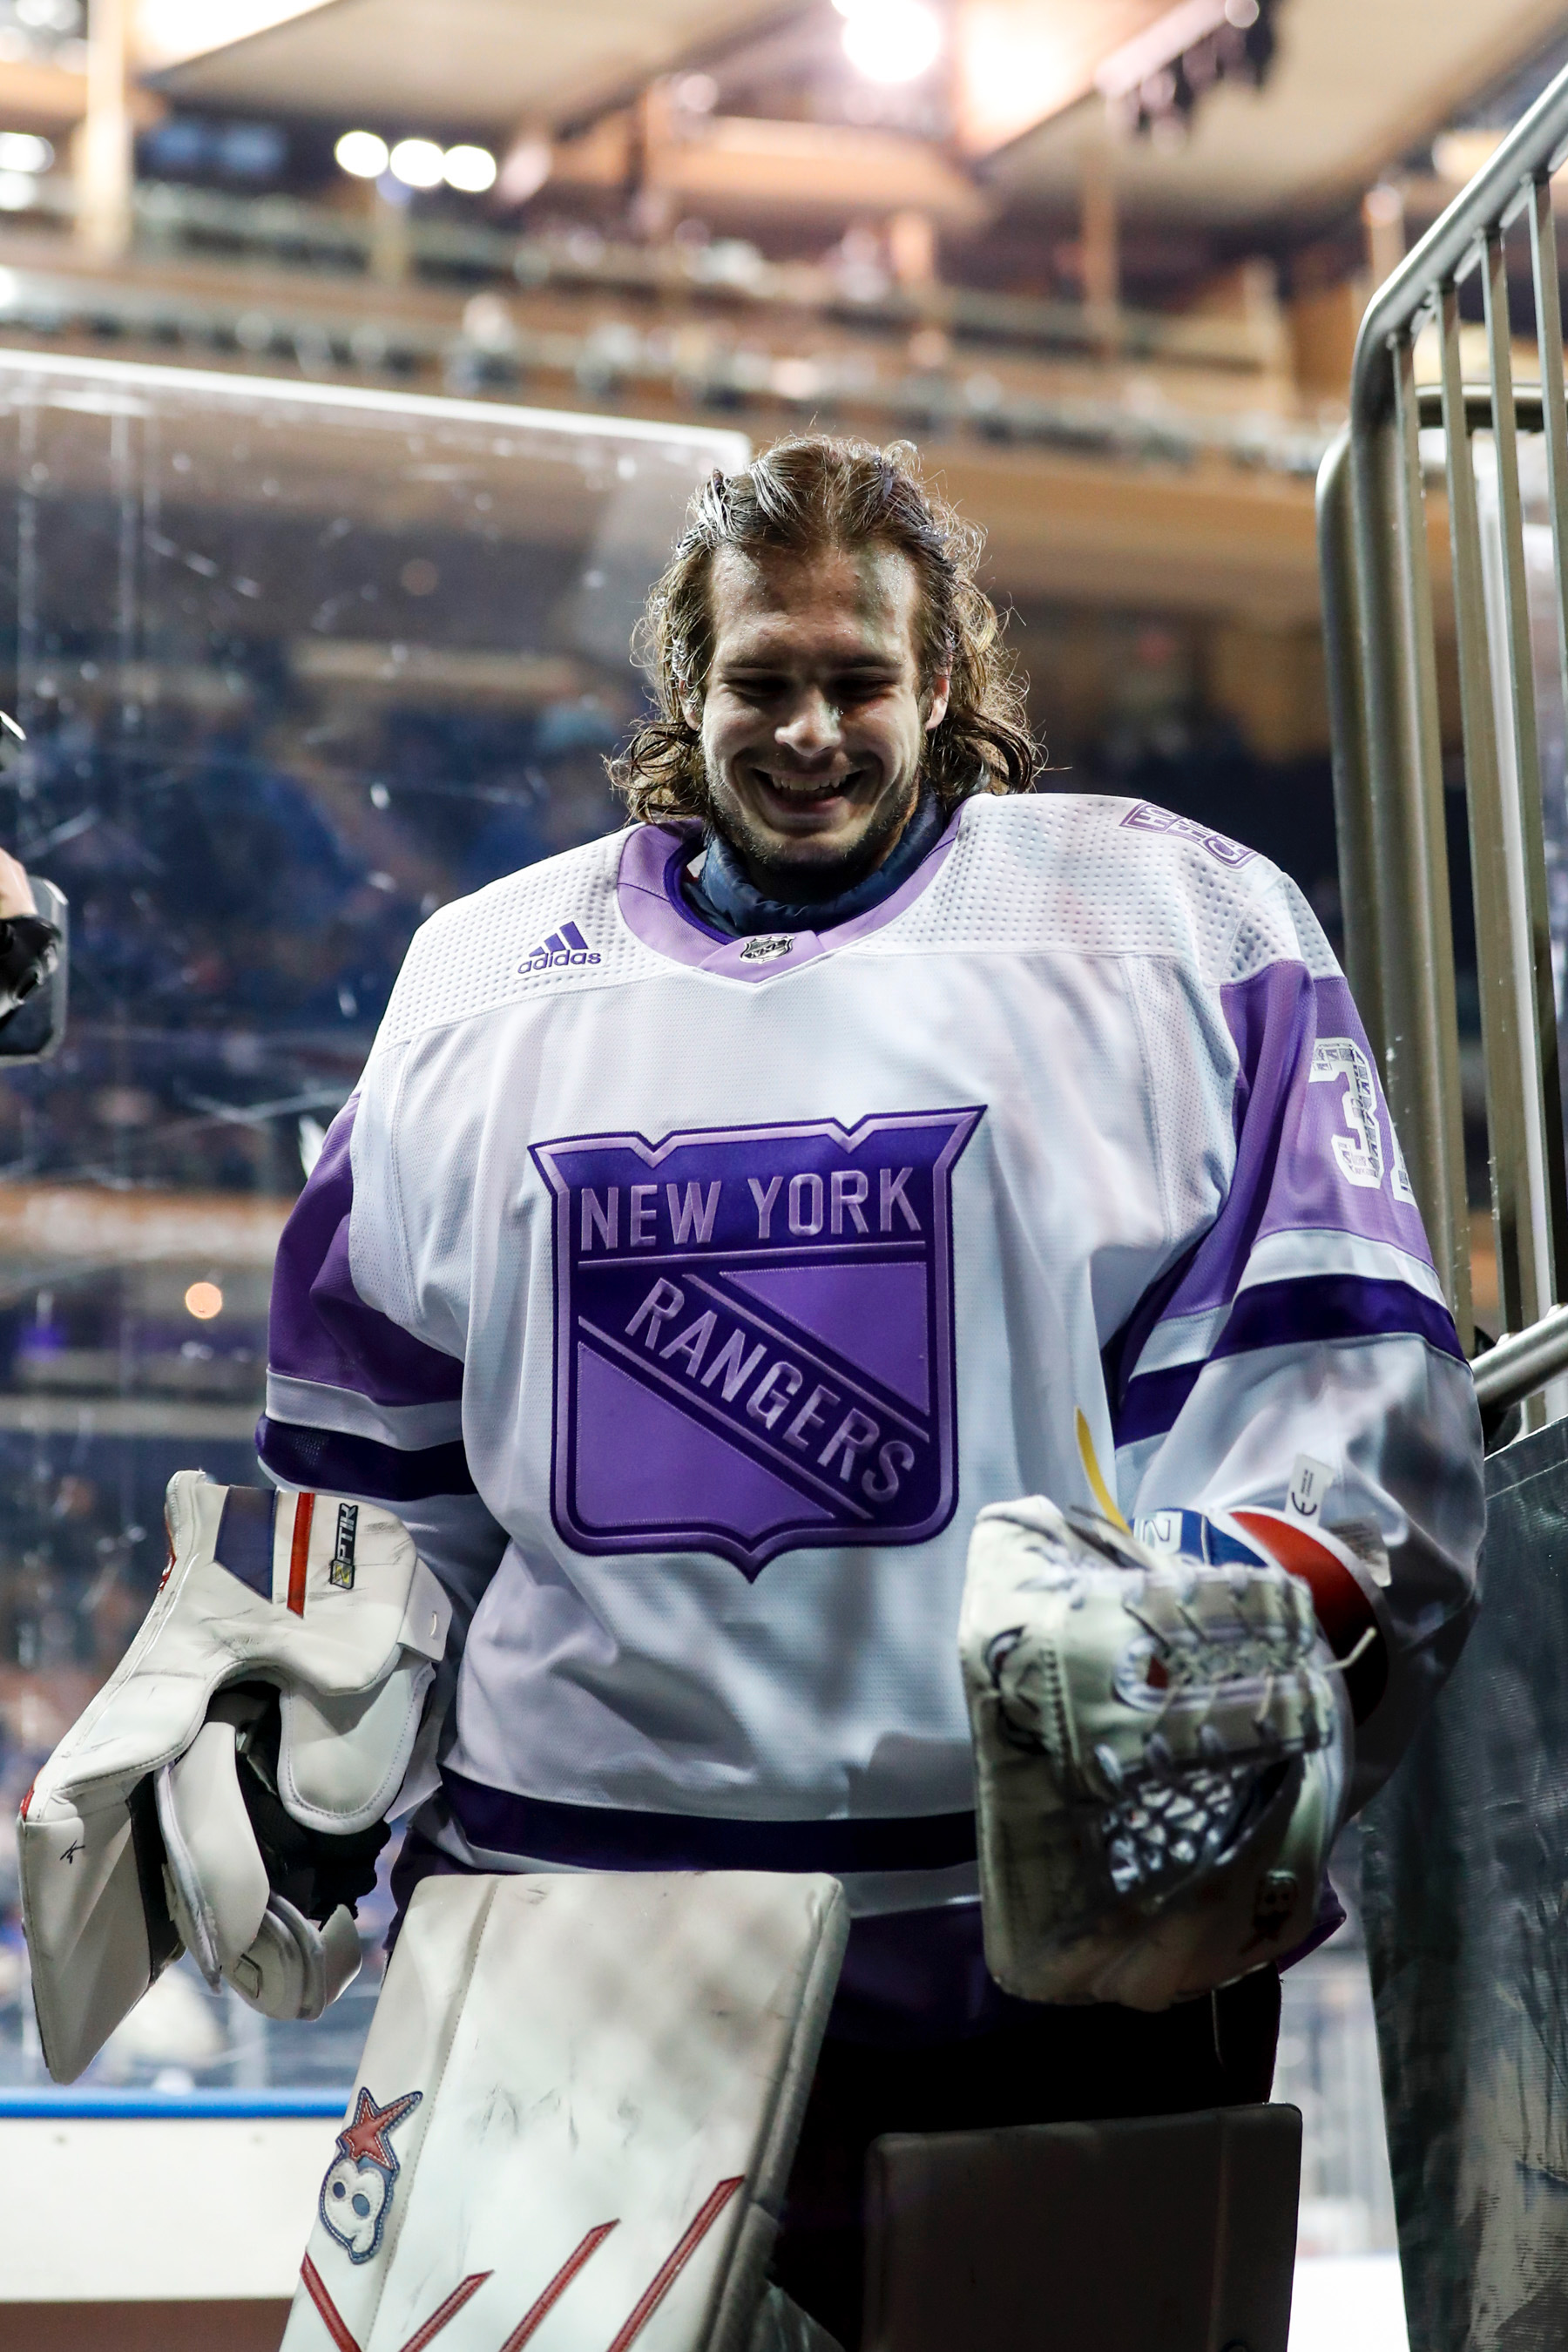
(689, 1296)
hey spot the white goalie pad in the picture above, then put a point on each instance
(1160, 1760)
(134, 1837)
(575, 2117)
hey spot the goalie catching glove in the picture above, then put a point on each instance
(1160, 1756)
(226, 1790)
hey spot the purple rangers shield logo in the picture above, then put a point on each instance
(753, 1336)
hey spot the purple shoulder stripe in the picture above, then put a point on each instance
(320, 1328)
(1315, 1154)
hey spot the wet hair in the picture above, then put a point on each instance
(810, 492)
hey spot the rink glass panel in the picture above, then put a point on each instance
(297, 665)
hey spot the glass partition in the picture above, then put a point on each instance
(296, 665)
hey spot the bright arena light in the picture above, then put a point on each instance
(204, 1300)
(362, 155)
(417, 163)
(21, 151)
(891, 40)
(471, 169)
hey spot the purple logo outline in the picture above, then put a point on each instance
(1144, 817)
(810, 1399)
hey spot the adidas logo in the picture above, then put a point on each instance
(566, 946)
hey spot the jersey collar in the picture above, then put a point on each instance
(655, 910)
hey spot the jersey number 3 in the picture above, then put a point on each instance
(1359, 1154)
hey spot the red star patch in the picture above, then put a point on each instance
(365, 2140)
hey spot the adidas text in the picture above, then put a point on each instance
(562, 948)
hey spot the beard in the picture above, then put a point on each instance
(821, 873)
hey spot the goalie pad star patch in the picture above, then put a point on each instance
(755, 1336)
(356, 2195)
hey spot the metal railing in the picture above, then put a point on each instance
(1388, 767)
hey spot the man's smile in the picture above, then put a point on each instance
(798, 801)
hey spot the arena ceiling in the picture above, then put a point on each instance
(1356, 84)
(456, 64)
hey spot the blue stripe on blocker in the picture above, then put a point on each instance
(599, 1837)
(245, 1537)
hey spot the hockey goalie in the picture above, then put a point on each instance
(736, 1217)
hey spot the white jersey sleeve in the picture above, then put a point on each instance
(1297, 1370)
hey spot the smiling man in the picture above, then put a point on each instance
(733, 1208)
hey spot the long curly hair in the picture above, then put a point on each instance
(811, 491)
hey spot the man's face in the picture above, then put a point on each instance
(814, 723)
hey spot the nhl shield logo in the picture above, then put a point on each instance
(755, 1336)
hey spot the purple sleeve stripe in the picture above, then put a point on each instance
(1151, 1404)
(321, 1329)
(409, 1427)
(1123, 1349)
(330, 1462)
(1334, 1306)
(598, 1837)
(1283, 1314)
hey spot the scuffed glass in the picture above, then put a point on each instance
(296, 665)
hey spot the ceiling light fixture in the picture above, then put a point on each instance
(471, 169)
(697, 93)
(21, 151)
(525, 169)
(417, 163)
(1153, 83)
(362, 155)
(891, 41)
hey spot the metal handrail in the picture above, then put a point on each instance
(1536, 145)
(1388, 776)
(1523, 1361)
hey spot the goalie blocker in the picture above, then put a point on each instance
(226, 1792)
